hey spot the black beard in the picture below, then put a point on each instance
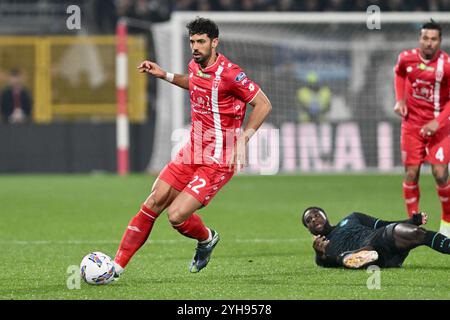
(201, 60)
(428, 56)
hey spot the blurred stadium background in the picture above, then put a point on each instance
(329, 78)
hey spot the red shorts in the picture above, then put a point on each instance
(417, 149)
(201, 181)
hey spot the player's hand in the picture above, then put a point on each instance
(401, 109)
(152, 68)
(430, 128)
(239, 154)
(422, 217)
(320, 244)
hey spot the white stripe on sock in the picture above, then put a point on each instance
(148, 215)
(209, 237)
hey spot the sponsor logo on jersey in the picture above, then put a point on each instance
(423, 66)
(343, 223)
(240, 76)
(203, 75)
(200, 103)
(200, 89)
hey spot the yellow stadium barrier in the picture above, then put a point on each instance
(73, 78)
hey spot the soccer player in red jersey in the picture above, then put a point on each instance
(219, 92)
(422, 89)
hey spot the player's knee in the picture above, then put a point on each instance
(419, 234)
(175, 215)
(412, 175)
(410, 232)
(156, 201)
(416, 236)
(408, 236)
(440, 175)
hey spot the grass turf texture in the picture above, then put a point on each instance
(50, 222)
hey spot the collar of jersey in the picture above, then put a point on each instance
(436, 56)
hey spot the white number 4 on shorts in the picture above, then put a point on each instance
(440, 154)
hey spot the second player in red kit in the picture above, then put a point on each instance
(422, 87)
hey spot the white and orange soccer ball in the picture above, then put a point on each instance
(97, 268)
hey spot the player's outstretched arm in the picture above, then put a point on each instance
(180, 80)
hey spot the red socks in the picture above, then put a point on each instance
(411, 194)
(444, 196)
(140, 227)
(193, 228)
(135, 236)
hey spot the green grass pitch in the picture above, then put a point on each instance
(49, 222)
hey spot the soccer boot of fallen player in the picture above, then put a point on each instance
(358, 259)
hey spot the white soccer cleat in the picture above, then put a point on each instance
(359, 259)
(445, 228)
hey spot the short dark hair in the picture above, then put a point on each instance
(203, 26)
(433, 25)
(308, 209)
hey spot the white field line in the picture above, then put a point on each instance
(78, 242)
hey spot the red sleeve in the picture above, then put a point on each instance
(399, 88)
(400, 68)
(241, 86)
(399, 78)
(190, 67)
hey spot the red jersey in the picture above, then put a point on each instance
(218, 95)
(427, 85)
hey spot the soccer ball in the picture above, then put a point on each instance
(97, 268)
